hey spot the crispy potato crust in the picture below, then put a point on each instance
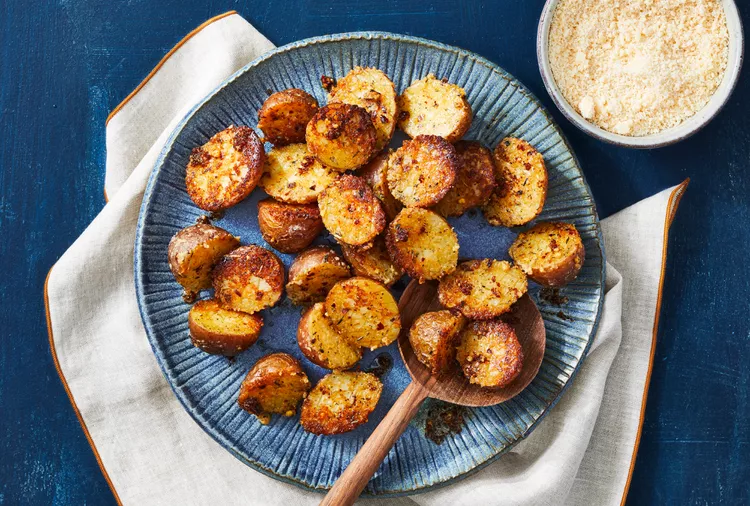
(275, 384)
(521, 184)
(364, 311)
(289, 227)
(222, 331)
(350, 210)
(434, 336)
(422, 171)
(552, 254)
(340, 402)
(482, 289)
(422, 243)
(322, 343)
(341, 136)
(285, 115)
(489, 353)
(374, 174)
(226, 169)
(431, 106)
(313, 273)
(374, 263)
(474, 183)
(293, 175)
(248, 279)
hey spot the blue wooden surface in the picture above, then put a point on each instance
(65, 64)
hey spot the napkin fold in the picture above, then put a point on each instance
(152, 452)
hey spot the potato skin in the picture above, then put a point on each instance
(341, 136)
(226, 169)
(350, 211)
(374, 262)
(194, 251)
(551, 254)
(434, 107)
(289, 228)
(275, 384)
(221, 331)
(248, 279)
(284, 116)
(291, 174)
(489, 353)
(322, 344)
(474, 183)
(313, 273)
(375, 175)
(434, 336)
(422, 171)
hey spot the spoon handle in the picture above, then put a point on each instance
(359, 471)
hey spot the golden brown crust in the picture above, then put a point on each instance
(482, 289)
(313, 273)
(422, 171)
(489, 353)
(291, 174)
(374, 262)
(434, 336)
(521, 184)
(222, 331)
(434, 107)
(350, 211)
(341, 136)
(474, 183)
(226, 169)
(551, 254)
(322, 343)
(374, 174)
(248, 279)
(289, 228)
(285, 115)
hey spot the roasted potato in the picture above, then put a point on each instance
(350, 211)
(222, 331)
(340, 402)
(370, 89)
(551, 254)
(434, 336)
(275, 384)
(422, 243)
(293, 175)
(284, 116)
(193, 252)
(313, 273)
(289, 227)
(489, 353)
(374, 262)
(248, 279)
(521, 184)
(474, 183)
(226, 169)
(322, 343)
(432, 106)
(364, 311)
(482, 289)
(341, 136)
(374, 174)
(422, 171)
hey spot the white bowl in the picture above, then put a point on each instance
(665, 137)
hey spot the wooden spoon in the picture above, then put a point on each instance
(451, 386)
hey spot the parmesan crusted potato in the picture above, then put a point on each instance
(370, 89)
(374, 263)
(289, 227)
(422, 171)
(521, 184)
(313, 273)
(293, 175)
(434, 107)
(482, 289)
(364, 311)
(222, 331)
(340, 402)
(350, 210)
(422, 243)
(322, 343)
(434, 336)
(275, 384)
(284, 116)
(551, 254)
(489, 353)
(474, 183)
(226, 169)
(341, 136)
(374, 174)
(248, 279)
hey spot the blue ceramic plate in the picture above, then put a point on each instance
(208, 385)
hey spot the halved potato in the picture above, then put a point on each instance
(322, 343)
(248, 279)
(313, 273)
(482, 289)
(350, 210)
(284, 116)
(221, 331)
(434, 336)
(551, 254)
(293, 175)
(226, 169)
(474, 183)
(374, 174)
(340, 402)
(276, 384)
(422, 171)
(374, 262)
(433, 106)
(289, 227)
(489, 353)
(341, 136)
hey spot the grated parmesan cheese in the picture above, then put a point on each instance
(637, 67)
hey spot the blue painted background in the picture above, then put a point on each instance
(65, 64)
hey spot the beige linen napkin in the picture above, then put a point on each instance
(151, 451)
